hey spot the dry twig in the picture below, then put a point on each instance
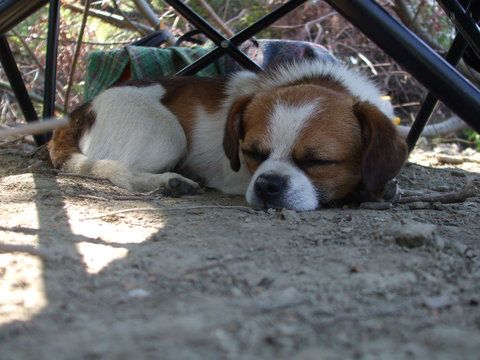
(37, 127)
(446, 198)
(77, 53)
(112, 19)
(35, 97)
(216, 19)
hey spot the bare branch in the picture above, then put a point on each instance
(35, 58)
(216, 19)
(405, 13)
(146, 10)
(112, 19)
(134, 26)
(76, 54)
(35, 97)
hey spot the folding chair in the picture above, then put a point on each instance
(435, 73)
(11, 13)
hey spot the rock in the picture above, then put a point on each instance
(459, 247)
(439, 206)
(447, 149)
(451, 160)
(437, 242)
(412, 234)
(457, 173)
(438, 302)
(469, 152)
(376, 205)
(289, 215)
(138, 293)
(442, 188)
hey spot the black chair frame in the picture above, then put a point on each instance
(13, 12)
(437, 74)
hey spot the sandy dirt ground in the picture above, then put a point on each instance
(88, 271)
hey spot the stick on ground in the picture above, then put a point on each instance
(447, 198)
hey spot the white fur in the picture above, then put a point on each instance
(355, 82)
(300, 194)
(133, 137)
(285, 125)
(133, 127)
(206, 157)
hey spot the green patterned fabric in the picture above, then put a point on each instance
(104, 68)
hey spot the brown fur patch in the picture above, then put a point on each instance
(65, 141)
(185, 94)
(234, 131)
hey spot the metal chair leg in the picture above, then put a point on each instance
(18, 86)
(51, 60)
(453, 56)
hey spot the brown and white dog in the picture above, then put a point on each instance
(297, 137)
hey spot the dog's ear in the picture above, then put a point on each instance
(384, 152)
(234, 131)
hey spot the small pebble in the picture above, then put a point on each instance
(271, 211)
(289, 215)
(442, 188)
(447, 149)
(438, 302)
(459, 247)
(413, 234)
(439, 206)
(138, 293)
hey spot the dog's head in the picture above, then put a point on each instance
(306, 146)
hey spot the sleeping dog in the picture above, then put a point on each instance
(297, 137)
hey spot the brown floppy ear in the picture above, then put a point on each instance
(385, 151)
(234, 131)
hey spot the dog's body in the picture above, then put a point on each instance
(297, 137)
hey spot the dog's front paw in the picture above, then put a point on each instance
(179, 186)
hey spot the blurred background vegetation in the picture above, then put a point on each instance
(115, 23)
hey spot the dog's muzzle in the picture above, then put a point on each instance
(270, 189)
(280, 184)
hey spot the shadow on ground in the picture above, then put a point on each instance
(188, 280)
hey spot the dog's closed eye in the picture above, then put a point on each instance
(311, 159)
(256, 155)
(309, 163)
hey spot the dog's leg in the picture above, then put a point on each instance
(124, 177)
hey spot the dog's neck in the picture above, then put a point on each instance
(206, 157)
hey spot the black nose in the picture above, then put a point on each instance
(270, 186)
